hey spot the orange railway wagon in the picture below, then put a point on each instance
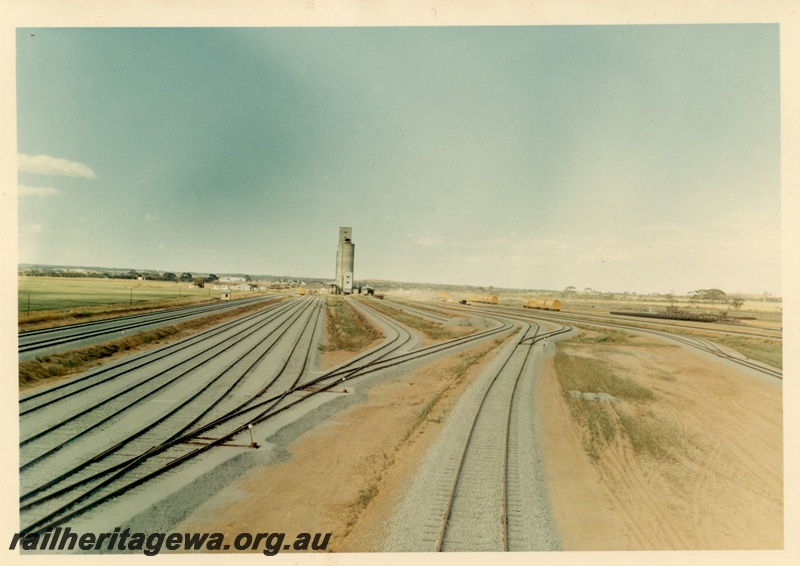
(542, 304)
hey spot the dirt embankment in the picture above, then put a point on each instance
(716, 481)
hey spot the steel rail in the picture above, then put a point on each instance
(121, 324)
(451, 496)
(232, 342)
(576, 316)
(335, 379)
(142, 360)
(123, 467)
(697, 343)
(124, 442)
(147, 427)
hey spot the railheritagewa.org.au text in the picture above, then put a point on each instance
(150, 544)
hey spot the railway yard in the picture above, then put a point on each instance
(458, 427)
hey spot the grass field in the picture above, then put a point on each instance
(58, 293)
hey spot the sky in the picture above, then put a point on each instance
(618, 158)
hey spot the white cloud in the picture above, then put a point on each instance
(25, 191)
(47, 165)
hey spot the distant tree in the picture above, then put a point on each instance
(169, 277)
(708, 296)
(247, 278)
(715, 296)
(199, 282)
(737, 303)
(212, 278)
(186, 277)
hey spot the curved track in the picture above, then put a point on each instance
(690, 341)
(214, 387)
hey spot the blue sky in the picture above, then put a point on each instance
(621, 158)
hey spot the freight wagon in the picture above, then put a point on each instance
(488, 299)
(542, 304)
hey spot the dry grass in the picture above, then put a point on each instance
(590, 376)
(628, 420)
(347, 329)
(760, 349)
(598, 335)
(62, 364)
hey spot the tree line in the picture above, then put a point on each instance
(131, 274)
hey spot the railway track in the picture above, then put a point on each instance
(35, 448)
(702, 345)
(97, 455)
(191, 346)
(193, 427)
(419, 312)
(693, 342)
(484, 507)
(665, 324)
(49, 340)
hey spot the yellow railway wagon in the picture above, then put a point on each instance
(542, 304)
(302, 290)
(488, 299)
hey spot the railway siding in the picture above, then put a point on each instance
(45, 368)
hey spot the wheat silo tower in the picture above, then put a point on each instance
(345, 254)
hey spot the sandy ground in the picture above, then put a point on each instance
(721, 488)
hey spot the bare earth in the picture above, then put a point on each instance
(721, 488)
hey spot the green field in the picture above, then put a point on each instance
(58, 293)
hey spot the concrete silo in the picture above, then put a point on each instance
(345, 255)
